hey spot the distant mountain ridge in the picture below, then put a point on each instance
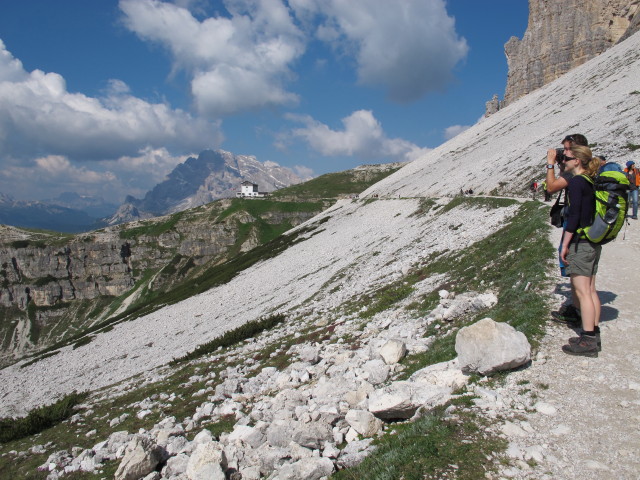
(212, 175)
(44, 215)
(95, 207)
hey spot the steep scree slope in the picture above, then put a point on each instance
(360, 245)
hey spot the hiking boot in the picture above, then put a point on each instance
(567, 314)
(574, 340)
(585, 346)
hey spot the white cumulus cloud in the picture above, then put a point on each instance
(237, 63)
(244, 59)
(48, 176)
(362, 137)
(454, 130)
(408, 47)
(39, 117)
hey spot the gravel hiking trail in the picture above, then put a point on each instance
(586, 420)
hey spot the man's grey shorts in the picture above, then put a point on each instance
(583, 258)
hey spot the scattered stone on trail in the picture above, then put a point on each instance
(487, 347)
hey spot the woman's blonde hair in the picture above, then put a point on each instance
(590, 163)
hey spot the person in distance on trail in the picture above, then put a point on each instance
(633, 175)
(547, 195)
(568, 314)
(580, 255)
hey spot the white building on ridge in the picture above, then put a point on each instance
(250, 190)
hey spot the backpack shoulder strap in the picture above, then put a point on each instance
(587, 178)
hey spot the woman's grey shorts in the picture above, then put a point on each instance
(583, 258)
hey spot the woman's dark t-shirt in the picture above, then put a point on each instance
(581, 203)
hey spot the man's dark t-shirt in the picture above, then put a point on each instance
(581, 204)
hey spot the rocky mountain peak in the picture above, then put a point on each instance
(213, 174)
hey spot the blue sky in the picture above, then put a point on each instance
(107, 97)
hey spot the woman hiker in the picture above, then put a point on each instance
(580, 255)
(568, 314)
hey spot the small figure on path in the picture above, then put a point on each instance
(633, 175)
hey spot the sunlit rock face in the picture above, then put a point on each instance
(561, 35)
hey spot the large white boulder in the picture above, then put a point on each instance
(393, 351)
(309, 354)
(444, 374)
(176, 466)
(403, 399)
(363, 422)
(248, 435)
(312, 468)
(140, 458)
(310, 435)
(207, 462)
(487, 347)
(375, 371)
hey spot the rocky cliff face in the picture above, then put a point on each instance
(55, 284)
(561, 35)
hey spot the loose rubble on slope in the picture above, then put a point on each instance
(320, 413)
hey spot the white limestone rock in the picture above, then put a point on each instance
(355, 397)
(487, 347)
(140, 458)
(375, 371)
(208, 462)
(307, 469)
(330, 450)
(248, 435)
(250, 473)
(393, 351)
(355, 452)
(363, 422)
(176, 466)
(444, 374)
(467, 303)
(403, 399)
(546, 409)
(204, 436)
(309, 354)
(310, 435)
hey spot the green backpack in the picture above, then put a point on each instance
(611, 207)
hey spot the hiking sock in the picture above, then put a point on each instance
(589, 334)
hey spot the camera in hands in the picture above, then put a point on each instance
(560, 156)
